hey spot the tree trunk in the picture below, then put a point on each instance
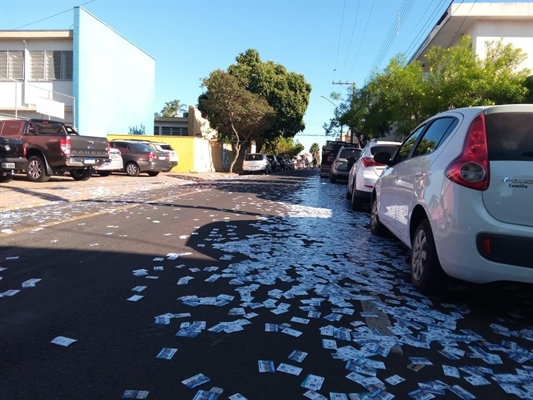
(235, 157)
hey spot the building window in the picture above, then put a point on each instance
(171, 130)
(11, 65)
(51, 65)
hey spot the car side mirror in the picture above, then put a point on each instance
(383, 158)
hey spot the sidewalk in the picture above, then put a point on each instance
(21, 193)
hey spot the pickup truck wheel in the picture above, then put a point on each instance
(104, 173)
(153, 173)
(132, 169)
(36, 171)
(5, 178)
(81, 174)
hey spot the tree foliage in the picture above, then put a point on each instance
(282, 146)
(405, 94)
(238, 115)
(286, 92)
(137, 130)
(315, 150)
(172, 109)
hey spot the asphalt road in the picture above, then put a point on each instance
(235, 273)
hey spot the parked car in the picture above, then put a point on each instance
(329, 152)
(140, 157)
(55, 148)
(114, 164)
(459, 193)
(274, 163)
(173, 155)
(12, 158)
(282, 163)
(256, 162)
(289, 164)
(365, 172)
(342, 163)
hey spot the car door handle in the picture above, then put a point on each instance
(418, 174)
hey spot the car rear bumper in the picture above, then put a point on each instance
(459, 243)
(13, 164)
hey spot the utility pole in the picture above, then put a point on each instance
(353, 93)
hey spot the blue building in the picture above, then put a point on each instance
(91, 77)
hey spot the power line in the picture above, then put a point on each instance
(363, 36)
(51, 16)
(351, 37)
(340, 36)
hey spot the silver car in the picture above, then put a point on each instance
(342, 163)
(256, 162)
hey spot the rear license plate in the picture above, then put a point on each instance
(8, 165)
(89, 161)
(162, 158)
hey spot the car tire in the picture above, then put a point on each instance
(332, 178)
(81, 174)
(153, 173)
(104, 173)
(376, 227)
(348, 193)
(426, 272)
(356, 203)
(5, 178)
(36, 171)
(132, 169)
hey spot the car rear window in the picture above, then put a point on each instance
(345, 153)
(142, 147)
(388, 148)
(166, 147)
(253, 157)
(510, 136)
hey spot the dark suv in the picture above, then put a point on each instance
(140, 157)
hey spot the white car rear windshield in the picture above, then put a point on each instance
(253, 157)
(510, 136)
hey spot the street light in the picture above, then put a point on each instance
(324, 97)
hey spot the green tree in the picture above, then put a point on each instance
(137, 130)
(315, 151)
(172, 109)
(238, 115)
(286, 92)
(403, 95)
(282, 146)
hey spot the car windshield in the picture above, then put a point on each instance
(253, 157)
(346, 153)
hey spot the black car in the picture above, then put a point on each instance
(12, 158)
(140, 157)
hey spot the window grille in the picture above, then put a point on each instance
(11, 65)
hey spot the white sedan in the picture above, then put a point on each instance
(115, 163)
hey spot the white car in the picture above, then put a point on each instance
(167, 149)
(366, 171)
(459, 193)
(256, 162)
(115, 163)
(342, 163)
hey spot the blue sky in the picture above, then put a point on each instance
(325, 40)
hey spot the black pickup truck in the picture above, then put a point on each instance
(12, 158)
(55, 148)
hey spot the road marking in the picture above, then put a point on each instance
(97, 213)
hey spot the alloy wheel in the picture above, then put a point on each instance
(419, 257)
